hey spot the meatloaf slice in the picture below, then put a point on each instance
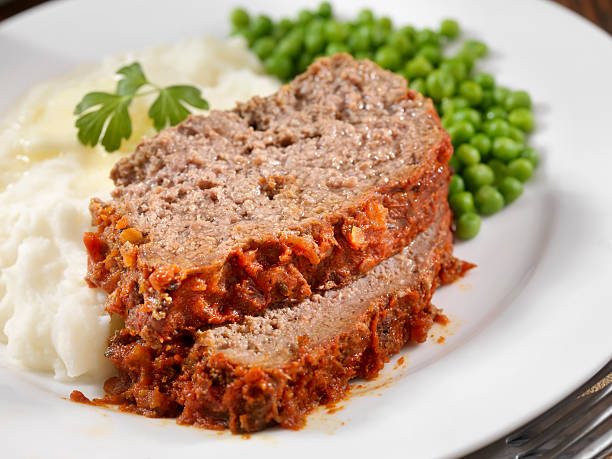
(275, 368)
(305, 190)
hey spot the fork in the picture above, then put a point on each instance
(578, 427)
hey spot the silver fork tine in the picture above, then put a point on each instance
(525, 439)
(572, 428)
(590, 411)
(557, 412)
(596, 443)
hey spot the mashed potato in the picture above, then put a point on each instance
(49, 318)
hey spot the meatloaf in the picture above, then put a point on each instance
(308, 189)
(275, 368)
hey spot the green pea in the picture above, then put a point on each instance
(263, 47)
(521, 169)
(521, 118)
(261, 25)
(289, 46)
(456, 185)
(531, 155)
(317, 25)
(418, 67)
(400, 42)
(388, 57)
(455, 164)
(475, 48)
(360, 55)
(247, 33)
(488, 200)
(447, 106)
(467, 114)
(477, 176)
(324, 10)
(468, 226)
(305, 16)
(482, 143)
(409, 31)
(282, 28)
(386, 23)
(506, 149)
(360, 39)
(516, 134)
(336, 31)
(496, 112)
(240, 31)
(510, 188)
(467, 154)
(487, 100)
(499, 168)
(336, 48)
(467, 58)
(461, 132)
(440, 84)
(239, 18)
(427, 37)
(460, 102)
(461, 203)
(365, 16)
(314, 41)
(471, 91)
(279, 66)
(485, 80)
(418, 84)
(500, 94)
(379, 35)
(518, 99)
(449, 28)
(456, 67)
(304, 61)
(497, 128)
(431, 53)
(299, 32)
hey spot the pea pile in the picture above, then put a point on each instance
(488, 124)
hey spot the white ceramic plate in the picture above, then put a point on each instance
(529, 325)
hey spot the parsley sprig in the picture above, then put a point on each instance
(111, 121)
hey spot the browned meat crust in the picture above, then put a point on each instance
(303, 191)
(276, 368)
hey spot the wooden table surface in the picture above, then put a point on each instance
(597, 11)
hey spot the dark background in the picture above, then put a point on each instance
(597, 11)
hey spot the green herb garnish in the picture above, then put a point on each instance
(110, 122)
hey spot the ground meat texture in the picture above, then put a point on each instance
(225, 215)
(275, 368)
